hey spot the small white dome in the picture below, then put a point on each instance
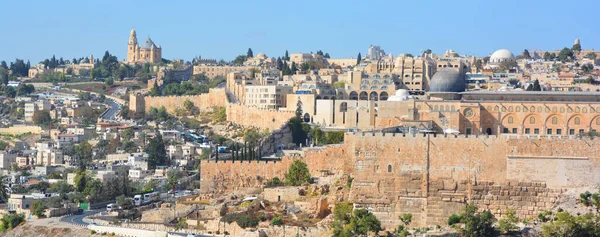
(501, 56)
(400, 95)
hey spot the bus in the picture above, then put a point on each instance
(151, 197)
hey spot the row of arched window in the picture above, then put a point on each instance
(541, 109)
(553, 120)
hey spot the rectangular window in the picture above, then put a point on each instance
(527, 130)
(536, 131)
(468, 131)
(581, 131)
(549, 131)
(514, 130)
(558, 131)
(571, 131)
(505, 130)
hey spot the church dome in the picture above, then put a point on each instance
(261, 55)
(502, 55)
(148, 44)
(447, 80)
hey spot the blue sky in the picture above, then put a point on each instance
(223, 29)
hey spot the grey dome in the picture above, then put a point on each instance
(148, 44)
(447, 80)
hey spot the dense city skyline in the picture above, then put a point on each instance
(216, 30)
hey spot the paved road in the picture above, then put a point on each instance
(78, 219)
(112, 111)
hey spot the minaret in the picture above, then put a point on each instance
(132, 47)
(91, 58)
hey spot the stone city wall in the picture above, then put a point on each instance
(436, 176)
(259, 118)
(215, 97)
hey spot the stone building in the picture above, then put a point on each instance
(211, 71)
(148, 52)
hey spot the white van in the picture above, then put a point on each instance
(111, 207)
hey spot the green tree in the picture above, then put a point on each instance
(127, 134)
(576, 47)
(124, 202)
(219, 115)
(566, 224)
(536, 85)
(11, 221)
(41, 117)
(526, 54)
(294, 68)
(339, 85)
(362, 223)
(157, 154)
(358, 59)
(239, 60)
(3, 193)
(189, 106)
(508, 224)
(3, 145)
(38, 208)
(80, 180)
(427, 51)
(277, 221)
(477, 224)
(298, 174)
(286, 56)
(406, 218)
(109, 81)
(342, 213)
(155, 90)
(591, 55)
(565, 55)
(83, 155)
(249, 54)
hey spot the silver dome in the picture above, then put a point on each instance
(447, 80)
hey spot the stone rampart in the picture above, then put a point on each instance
(435, 176)
(215, 97)
(259, 118)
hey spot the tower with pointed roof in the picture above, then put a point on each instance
(148, 52)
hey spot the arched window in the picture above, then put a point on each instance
(584, 110)
(532, 109)
(532, 120)
(539, 109)
(344, 107)
(554, 109)
(510, 109)
(547, 109)
(577, 110)
(577, 121)
(598, 121)
(389, 168)
(489, 108)
(503, 109)
(510, 120)
(554, 120)
(496, 108)
(562, 109)
(518, 108)
(569, 110)
(452, 108)
(435, 107)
